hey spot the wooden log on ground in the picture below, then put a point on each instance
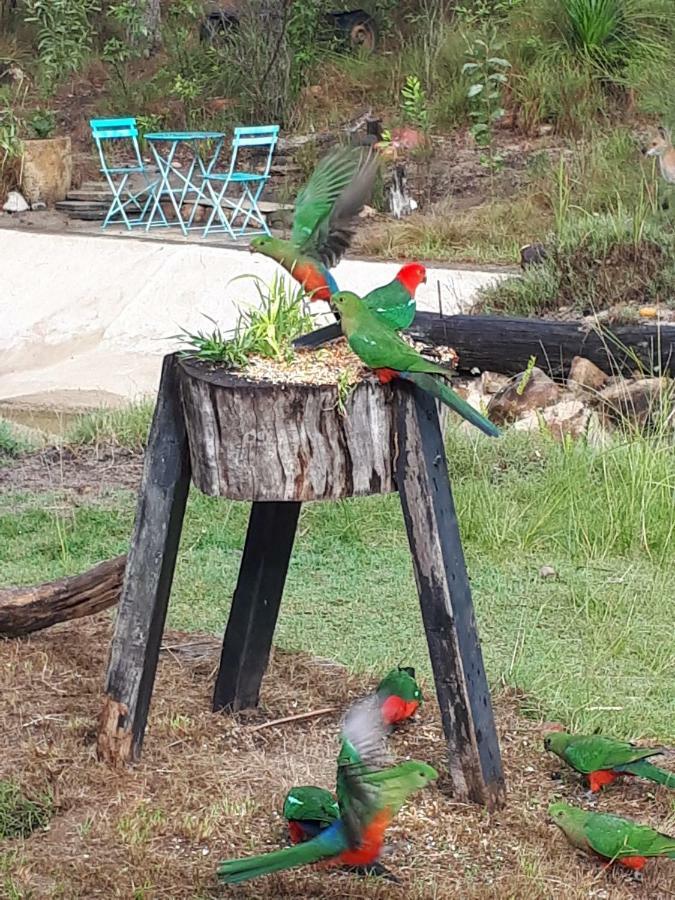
(504, 344)
(27, 609)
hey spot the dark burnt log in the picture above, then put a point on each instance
(474, 760)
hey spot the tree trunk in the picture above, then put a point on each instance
(152, 23)
(23, 610)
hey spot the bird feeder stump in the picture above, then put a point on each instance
(278, 445)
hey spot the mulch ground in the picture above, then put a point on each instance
(210, 786)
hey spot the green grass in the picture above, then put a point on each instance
(12, 440)
(127, 427)
(593, 647)
(19, 816)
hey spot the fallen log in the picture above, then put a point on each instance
(502, 344)
(505, 345)
(26, 609)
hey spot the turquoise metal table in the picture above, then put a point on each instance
(177, 185)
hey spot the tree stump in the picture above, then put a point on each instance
(279, 445)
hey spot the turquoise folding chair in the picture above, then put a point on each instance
(227, 209)
(112, 132)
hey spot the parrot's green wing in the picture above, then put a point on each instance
(310, 802)
(326, 206)
(589, 753)
(393, 303)
(362, 753)
(614, 838)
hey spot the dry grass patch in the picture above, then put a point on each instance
(209, 787)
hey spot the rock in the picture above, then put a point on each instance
(15, 203)
(38, 205)
(639, 402)
(532, 255)
(407, 138)
(513, 401)
(585, 376)
(568, 418)
(547, 572)
(368, 213)
(493, 382)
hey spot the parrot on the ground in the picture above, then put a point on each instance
(370, 792)
(381, 349)
(393, 302)
(322, 225)
(603, 759)
(611, 837)
(308, 810)
(399, 694)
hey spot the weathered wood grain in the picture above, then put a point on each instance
(27, 609)
(445, 599)
(286, 442)
(255, 605)
(147, 582)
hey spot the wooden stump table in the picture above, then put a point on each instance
(279, 445)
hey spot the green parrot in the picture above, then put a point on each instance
(381, 349)
(603, 759)
(393, 302)
(308, 810)
(400, 695)
(370, 791)
(322, 225)
(613, 838)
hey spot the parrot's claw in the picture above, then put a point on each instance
(591, 798)
(375, 870)
(638, 876)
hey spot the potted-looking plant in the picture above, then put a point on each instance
(47, 161)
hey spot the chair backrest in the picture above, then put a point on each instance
(114, 130)
(261, 136)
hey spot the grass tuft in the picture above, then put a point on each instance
(19, 816)
(126, 427)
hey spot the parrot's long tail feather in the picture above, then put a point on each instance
(319, 337)
(435, 386)
(235, 870)
(644, 769)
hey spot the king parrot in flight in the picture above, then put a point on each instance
(603, 759)
(323, 222)
(381, 349)
(370, 791)
(611, 837)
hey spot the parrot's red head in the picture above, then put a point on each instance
(411, 276)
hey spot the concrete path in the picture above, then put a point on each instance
(96, 313)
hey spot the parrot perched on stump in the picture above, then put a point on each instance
(370, 792)
(603, 759)
(394, 303)
(611, 837)
(381, 349)
(322, 225)
(399, 695)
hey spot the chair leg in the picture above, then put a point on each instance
(217, 210)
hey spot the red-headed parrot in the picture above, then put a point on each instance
(308, 810)
(611, 837)
(603, 759)
(370, 791)
(381, 349)
(322, 225)
(393, 302)
(399, 695)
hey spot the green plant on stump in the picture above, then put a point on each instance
(487, 73)
(20, 816)
(43, 123)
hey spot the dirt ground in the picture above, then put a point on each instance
(210, 787)
(89, 471)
